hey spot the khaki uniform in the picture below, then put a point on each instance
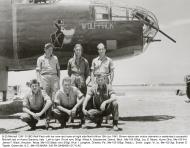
(99, 96)
(102, 67)
(48, 68)
(67, 101)
(35, 103)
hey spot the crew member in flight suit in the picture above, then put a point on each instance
(78, 69)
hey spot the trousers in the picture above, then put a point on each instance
(96, 115)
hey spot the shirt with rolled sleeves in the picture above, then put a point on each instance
(100, 95)
(35, 101)
(68, 100)
(49, 66)
(104, 66)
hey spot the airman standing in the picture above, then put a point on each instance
(102, 65)
(48, 71)
(78, 69)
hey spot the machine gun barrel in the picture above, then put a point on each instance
(148, 22)
(161, 32)
(166, 35)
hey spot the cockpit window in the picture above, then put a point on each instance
(119, 14)
(101, 13)
(106, 13)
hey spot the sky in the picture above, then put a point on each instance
(162, 62)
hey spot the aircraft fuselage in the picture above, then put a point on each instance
(25, 28)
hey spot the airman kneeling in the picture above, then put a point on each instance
(68, 103)
(35, 105)
(104, 103)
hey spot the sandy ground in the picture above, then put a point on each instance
(140, 113)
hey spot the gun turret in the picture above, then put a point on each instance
(147, 22)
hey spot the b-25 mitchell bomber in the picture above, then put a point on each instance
(26, 25)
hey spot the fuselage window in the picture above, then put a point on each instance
(119, 14)
(101, 13)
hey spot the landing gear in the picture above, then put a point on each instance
(3, 81)
(4, 96)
